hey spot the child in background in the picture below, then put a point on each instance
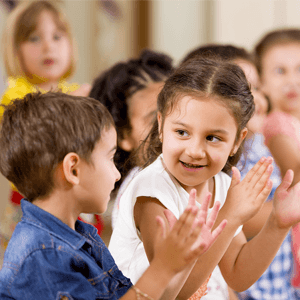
(38, 51)
(129, 91)
(203, 110)
(278, 63)
(64, 166)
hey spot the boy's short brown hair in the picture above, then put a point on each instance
(38, 131)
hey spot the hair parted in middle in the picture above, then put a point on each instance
(39, 130)
(202, 77)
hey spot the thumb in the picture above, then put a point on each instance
(287, 180)
(170, 218)
(161, 229)
(236, 177)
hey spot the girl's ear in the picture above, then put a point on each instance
(159, 121)
(71, 168)
(240, 140)
(127, 144)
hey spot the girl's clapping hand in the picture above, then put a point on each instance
(245, 198)
(286, 203)
(189, 237)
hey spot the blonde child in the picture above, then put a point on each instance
(278, 63)
(51, 254)
(129, 90)
(38, 51)
(203, 110)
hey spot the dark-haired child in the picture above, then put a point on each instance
(129, 91)
(274, 283)
(203, 110)
(58, 150)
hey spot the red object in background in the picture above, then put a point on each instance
(99, 224)
(16, 198)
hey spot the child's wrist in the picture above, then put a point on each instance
(164, 273)
(233, 222)
(276, 224)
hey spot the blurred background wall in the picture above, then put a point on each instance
(113, 30)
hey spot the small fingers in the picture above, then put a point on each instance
(192, 198)
(202, 214)
(236, 177)
(218, 230)
(170, 218)
(185, 223)
(213, 215)
(255, 169)
(287, 180)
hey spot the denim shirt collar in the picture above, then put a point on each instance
(40, 218)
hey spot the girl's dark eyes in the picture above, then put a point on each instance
(182, 132)
(213, 138)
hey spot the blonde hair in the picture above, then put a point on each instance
(21, 23)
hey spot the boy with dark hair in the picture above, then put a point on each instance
(58, 150)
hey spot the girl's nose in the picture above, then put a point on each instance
(48, 45)
(196, 150)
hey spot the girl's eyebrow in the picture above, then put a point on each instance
(221, 131)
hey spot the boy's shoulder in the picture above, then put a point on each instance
(46, 257)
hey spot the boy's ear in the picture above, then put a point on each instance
(159, 121)
(126, 143)
(70, 168)
(237, 145)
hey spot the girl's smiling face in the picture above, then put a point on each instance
(197, 137)
(281, 76)
(46, 55)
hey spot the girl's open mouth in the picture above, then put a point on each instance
(192, 166)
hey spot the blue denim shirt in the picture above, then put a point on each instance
(46, 259)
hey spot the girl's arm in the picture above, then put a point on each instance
(285, 151)
(180, 248)
(255, 224)
(244, 262)
(145, 211)
(243, 201)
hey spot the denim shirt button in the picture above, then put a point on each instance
(64, 298)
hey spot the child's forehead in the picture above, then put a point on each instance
(33, 23)
(187, 101)
(282, 46)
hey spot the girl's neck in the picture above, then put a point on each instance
(202, 190)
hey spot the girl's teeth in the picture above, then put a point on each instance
(191, 166)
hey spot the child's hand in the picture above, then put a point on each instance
(286, 203)
(245, 198)
(207, 237)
